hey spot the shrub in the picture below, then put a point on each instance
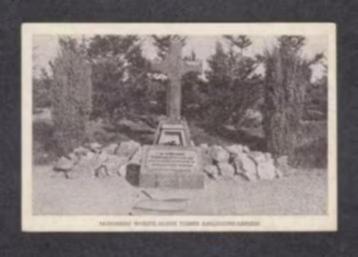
(44, 145)
(311, 155)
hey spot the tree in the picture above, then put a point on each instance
(119, 76)
(316, 101)
(41, 92)
(287, 78)
(233, 84)
(163, 43)
(71, 95)
(194, 95)
(241, 41)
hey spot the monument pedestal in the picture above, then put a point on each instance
(173, 167)
(172, 132)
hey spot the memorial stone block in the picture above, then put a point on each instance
(171, 167)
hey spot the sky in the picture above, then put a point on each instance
(45, 49)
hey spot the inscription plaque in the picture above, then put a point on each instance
(171, 166)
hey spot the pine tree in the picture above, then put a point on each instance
(41, 90)
(287, 77)
(163, 43)
(233, 85)
(71, 95)
(316, 102)
(119, 76)
(241, 41)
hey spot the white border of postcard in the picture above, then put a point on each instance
(48, 223)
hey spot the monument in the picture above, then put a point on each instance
(172, 161)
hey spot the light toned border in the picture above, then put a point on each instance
(176, 223)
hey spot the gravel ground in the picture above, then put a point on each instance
(303, 193)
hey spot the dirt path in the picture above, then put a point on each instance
(303, 193)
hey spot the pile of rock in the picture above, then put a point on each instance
(94, 160)
(238, 160)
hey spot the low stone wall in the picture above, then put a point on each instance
(238, 160)
(95, 160)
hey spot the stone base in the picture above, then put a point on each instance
(171, 180)
(175, 167)
(172, 132)
(160, 180)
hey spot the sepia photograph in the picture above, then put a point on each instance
(179, 127)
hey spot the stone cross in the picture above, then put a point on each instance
(174, 67)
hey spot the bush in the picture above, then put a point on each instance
(311, 155)
(44, 144)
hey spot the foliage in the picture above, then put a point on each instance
(194, 96)
(162, 43)
(71, 94)
(287, 77)
(119, 76)
(44, 142)
(316, 101)
(311, 155)
(234, 86)
(41, 90)
(240, 41)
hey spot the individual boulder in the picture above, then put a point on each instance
(219, 154)
(137, 157)
(75, 158)
(110, 149)
(211, 170)
(95, 147)
(257, 156)
(282, 166)
(113, 164)
(249, 176)
(84, 169)
(86, 162)
(91, 165)
(235, 150)
(237, 164)
(64, 164)
(122, 171)
(279, 173)
(206, 156)
(266, 168)
(89, 156)
(81, 151)
(226, 169)
(99, 167)
(247, 166)
(245, 149)
(127, 149)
